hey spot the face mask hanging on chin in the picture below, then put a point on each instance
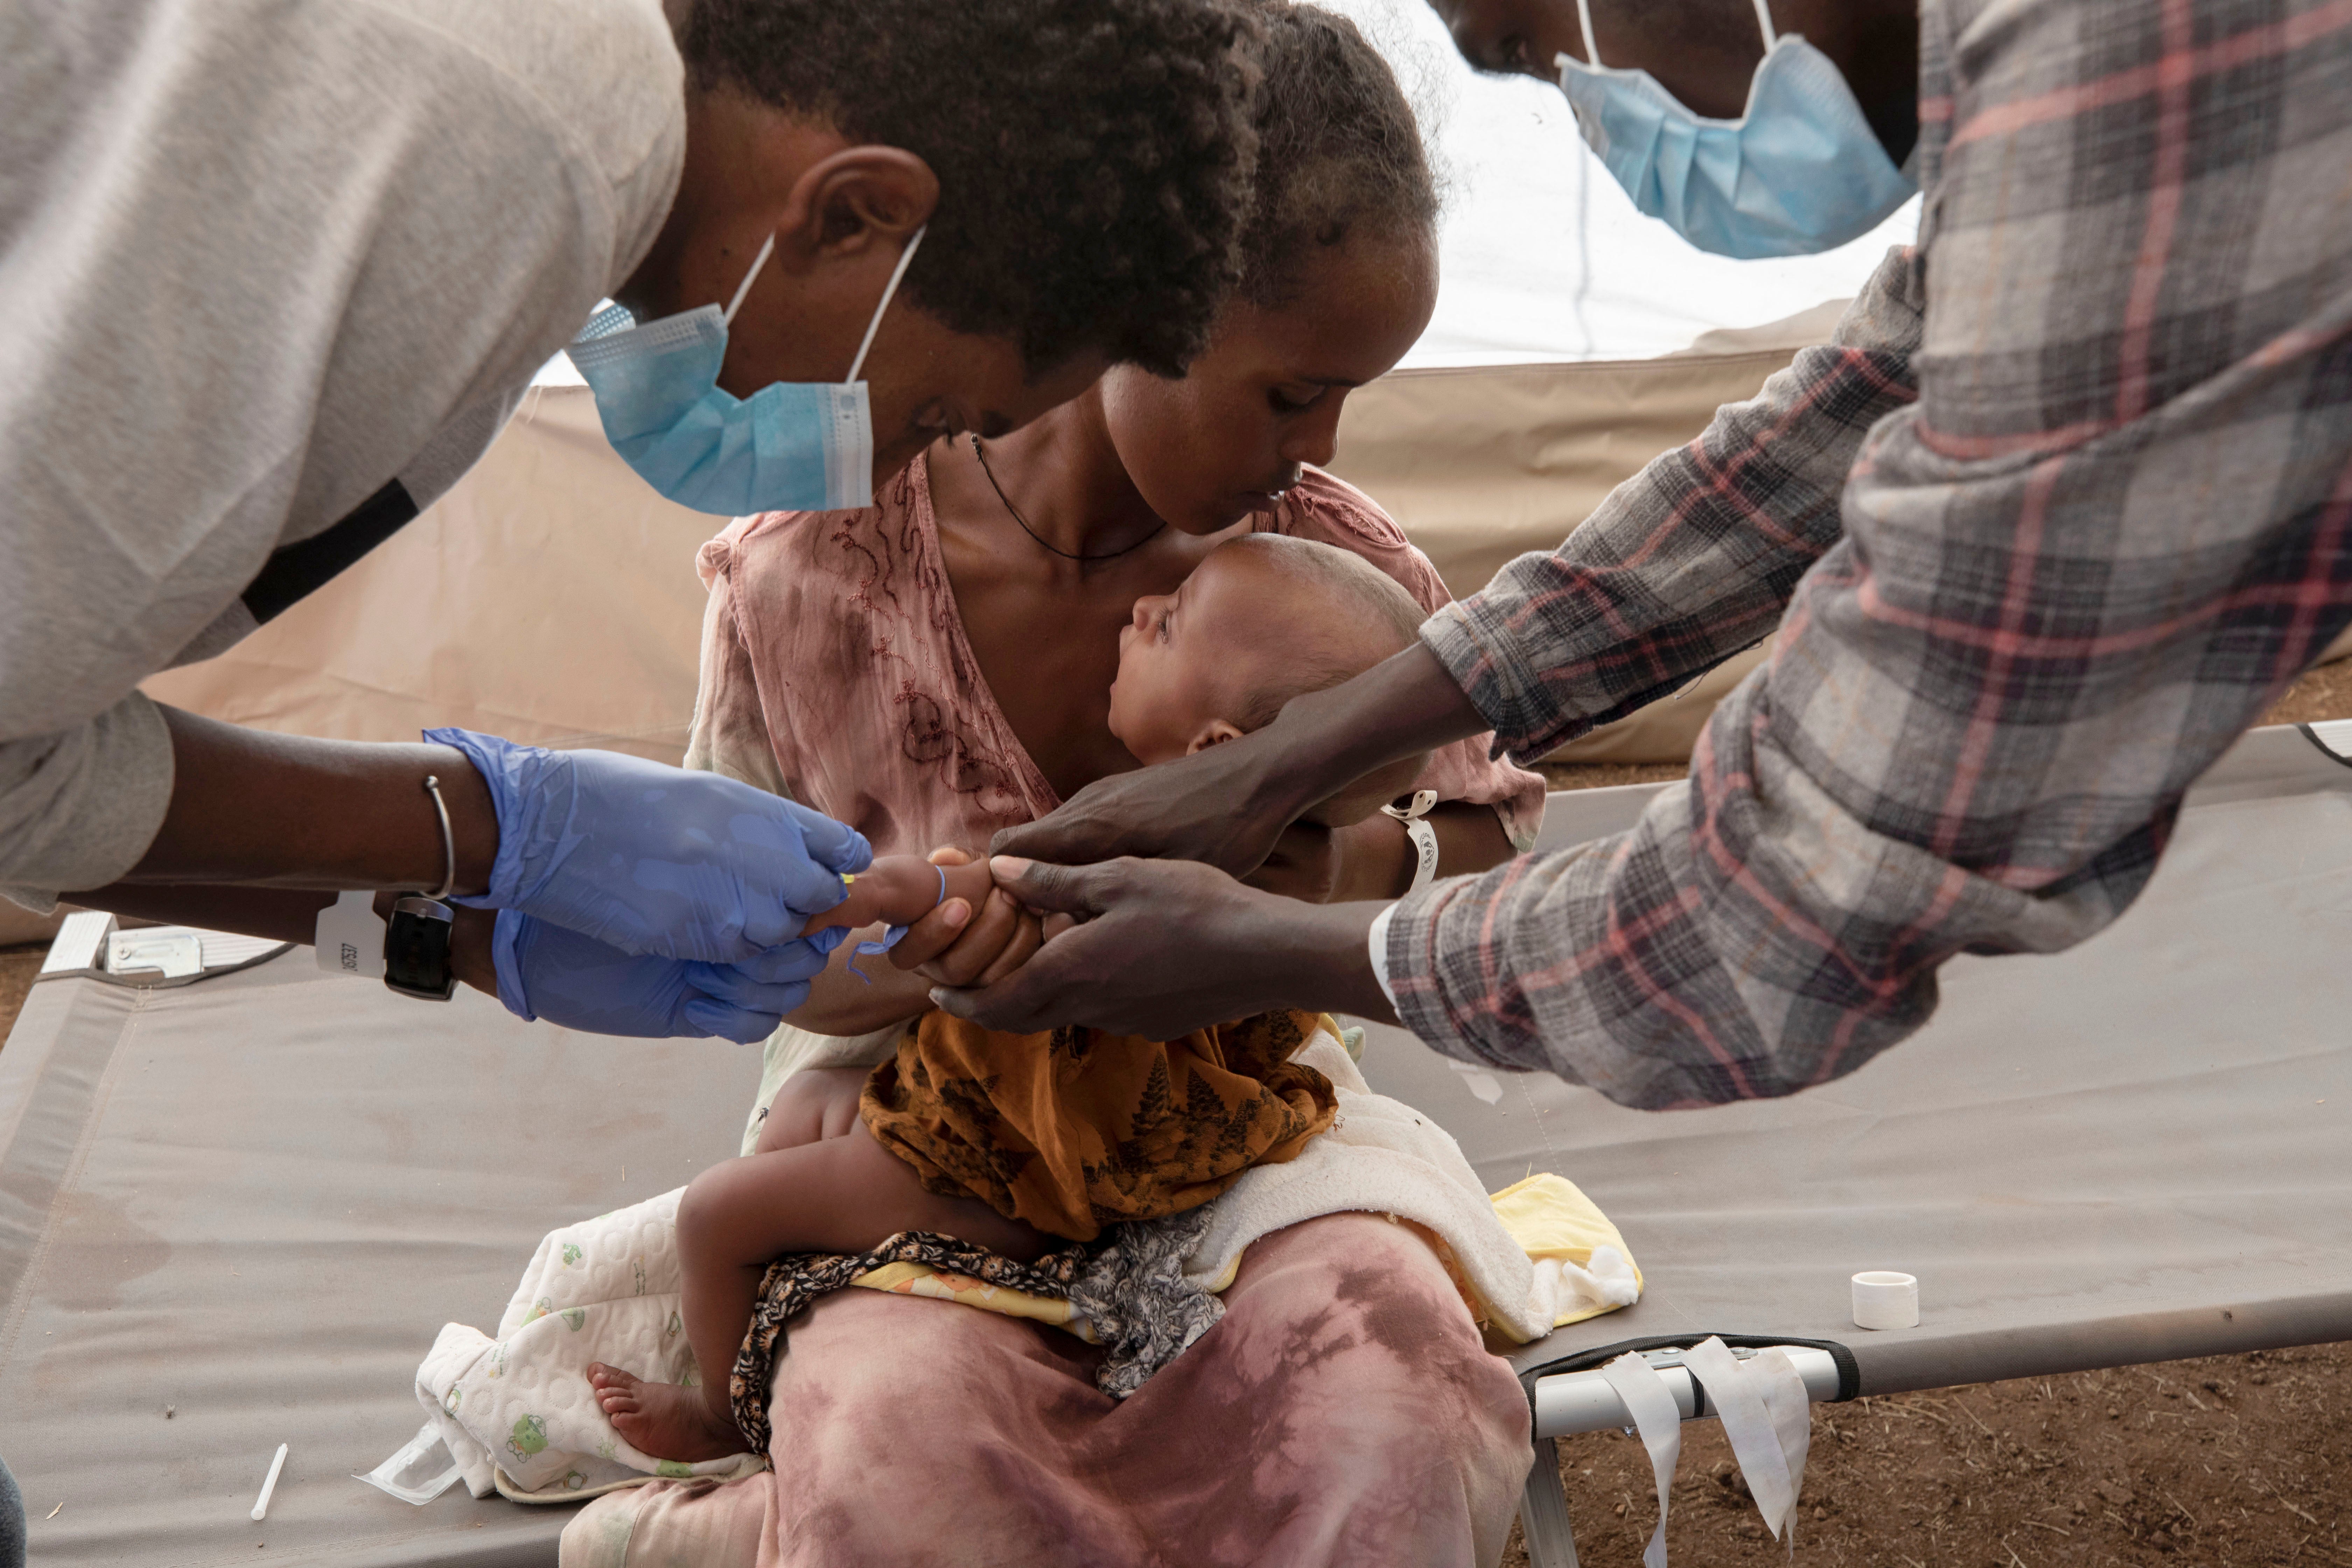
(790, 447)
(1799, 173)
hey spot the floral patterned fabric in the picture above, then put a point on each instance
(1076, 1128)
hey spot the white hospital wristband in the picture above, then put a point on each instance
(1421, 835)
(1377, 941)
(349, 937)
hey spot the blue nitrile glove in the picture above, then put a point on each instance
(568, 978)
(648, 858)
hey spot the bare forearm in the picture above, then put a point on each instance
(1324, 962)
(282, 914)
(1327, 740)
(260, 810)
(841, 1003)
(1188, 946)
(1470, 838)
(1377, 860)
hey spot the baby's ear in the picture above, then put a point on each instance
(1216, 732)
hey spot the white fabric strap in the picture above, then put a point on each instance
(1764, 20)
(1424, 849)
(1767, 1418)
(1659, 1420)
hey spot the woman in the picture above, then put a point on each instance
(939, 667)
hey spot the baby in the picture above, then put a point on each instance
(1011, 1141)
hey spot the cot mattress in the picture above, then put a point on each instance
(252, 1202)
(2134, 1150)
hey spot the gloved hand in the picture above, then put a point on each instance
(653, 859)
(547, 972)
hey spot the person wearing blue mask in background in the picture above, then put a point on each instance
(1751, 129)
(2060, 510)
(274, 277)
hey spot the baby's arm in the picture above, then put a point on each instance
(899, 889)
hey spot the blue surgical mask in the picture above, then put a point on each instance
(790, 447)
(1799, 172)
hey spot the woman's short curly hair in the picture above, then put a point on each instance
(1093, 156)
(1339, 149)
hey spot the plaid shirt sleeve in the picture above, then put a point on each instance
(2111, 527)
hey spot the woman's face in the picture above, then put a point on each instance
(1228, 439)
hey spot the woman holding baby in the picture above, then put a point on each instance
(1017, 617)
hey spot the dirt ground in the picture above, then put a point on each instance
(2232, 1459)
(17, 967)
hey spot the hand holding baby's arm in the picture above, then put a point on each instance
(991, 937)
(965, 933)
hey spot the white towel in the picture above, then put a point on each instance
(516, 1413)
(1388, 1158)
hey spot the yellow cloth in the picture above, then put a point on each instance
(1549, 1216)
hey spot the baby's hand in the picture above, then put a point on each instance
(991, 937)
(900, 889)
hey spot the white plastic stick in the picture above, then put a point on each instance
(261, 1506)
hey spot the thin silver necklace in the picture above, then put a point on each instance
(1066, 556)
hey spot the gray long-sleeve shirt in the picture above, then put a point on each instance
(258, 262)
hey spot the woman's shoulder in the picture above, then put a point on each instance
(1326, 508)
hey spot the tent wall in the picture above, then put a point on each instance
(551, 597)
(1480, 466)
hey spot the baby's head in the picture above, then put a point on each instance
(1265, 618)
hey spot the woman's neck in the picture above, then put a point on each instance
(1063, 477)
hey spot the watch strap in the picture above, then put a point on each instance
(416, 949)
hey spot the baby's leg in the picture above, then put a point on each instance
(839, 1192)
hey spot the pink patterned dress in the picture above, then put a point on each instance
(1344, 1410)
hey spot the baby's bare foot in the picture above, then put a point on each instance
(666, 1420)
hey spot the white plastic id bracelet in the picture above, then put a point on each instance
(349, 937)
(1423, 836)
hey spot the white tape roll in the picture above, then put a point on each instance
(1882, 1300)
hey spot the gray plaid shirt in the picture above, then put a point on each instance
(2061, 511)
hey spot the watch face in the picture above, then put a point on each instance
(416, 948)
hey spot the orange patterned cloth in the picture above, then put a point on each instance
(1076, 1128)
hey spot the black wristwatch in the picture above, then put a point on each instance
(416, 948)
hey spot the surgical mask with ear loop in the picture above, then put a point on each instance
(1799, 172)
(790, 447)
